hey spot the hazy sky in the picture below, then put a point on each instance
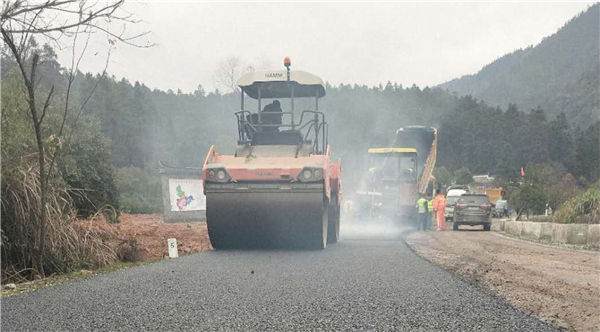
(365, 43)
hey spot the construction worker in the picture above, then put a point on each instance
(439, 206)
(272, 116)
(421, 212)
(431, 215)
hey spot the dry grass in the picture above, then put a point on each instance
(583, 207)
(69, 245)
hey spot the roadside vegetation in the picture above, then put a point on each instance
(583, 208)
(56, 162)
(139, 190)
(545, 188)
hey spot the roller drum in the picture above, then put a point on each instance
(267, 219)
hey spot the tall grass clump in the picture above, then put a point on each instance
(68, 244)
(584, 208)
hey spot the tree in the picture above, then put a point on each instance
(442, 176)
(199, 92)
(562, 190)
(587, 153)
(560, 142)
(86, 167)
(229, 71)
(544, 185)
(463, 176)
(528, 198)
(55, 21)
(536, 136)
(505, 167)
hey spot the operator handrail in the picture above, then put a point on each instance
(315, 126)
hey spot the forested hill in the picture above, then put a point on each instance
(561, 74)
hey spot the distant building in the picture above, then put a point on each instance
(484, 178)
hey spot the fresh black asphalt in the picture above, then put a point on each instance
(353, 285)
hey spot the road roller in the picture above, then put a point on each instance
(280, 189)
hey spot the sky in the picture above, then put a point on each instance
(364, 43)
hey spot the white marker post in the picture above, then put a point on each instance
(172, 244)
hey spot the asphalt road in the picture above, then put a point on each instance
(354, 285)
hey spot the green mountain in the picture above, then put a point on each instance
(560, 74)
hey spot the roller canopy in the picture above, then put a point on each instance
(274, 84)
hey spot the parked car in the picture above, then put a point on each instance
(473, 209)
(500, 209)
(451, 198)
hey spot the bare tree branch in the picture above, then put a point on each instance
(228, 72)
(13, 8)
(74, 68)
(16, 19)
(46, 104)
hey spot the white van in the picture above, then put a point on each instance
(451, 198)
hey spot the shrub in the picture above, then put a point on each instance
(529, 199)
(87, 169)
(586, 204)
(139, 190)
(562, 190)
(68, 246)
(129, 251)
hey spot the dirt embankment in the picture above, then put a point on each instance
(149, 233)
(561, 286)
(137, 237)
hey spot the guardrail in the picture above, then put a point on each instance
(553, 233)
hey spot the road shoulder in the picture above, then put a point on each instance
(557, 285)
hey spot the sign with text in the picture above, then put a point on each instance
(172, 244)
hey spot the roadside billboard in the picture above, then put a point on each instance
(186, 195)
